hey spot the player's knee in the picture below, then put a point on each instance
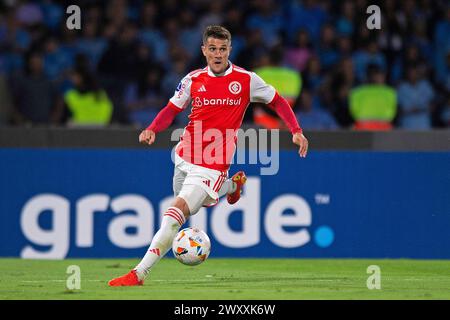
(181, 204)
(194, 197)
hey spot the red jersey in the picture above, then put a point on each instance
(218, 107)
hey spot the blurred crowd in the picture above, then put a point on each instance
(125, 62)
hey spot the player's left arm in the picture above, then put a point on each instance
(284, 111)
(265, 93)
(161, 122)
(179, 101)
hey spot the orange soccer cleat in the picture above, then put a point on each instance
(240, 179)
(128, 280)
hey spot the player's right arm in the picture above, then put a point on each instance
(176, 104)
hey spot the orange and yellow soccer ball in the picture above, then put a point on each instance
(191, 246)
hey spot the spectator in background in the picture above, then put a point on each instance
(407, 14)
(413, 32)
(445, 117)
(171, 41)
(119, 66)
(143, 99)
(344, 47)
(313, 77)
(119, 60)
(415, 98)
(269, 20)
(171, 78)
(442, 46)
(306, 14)
(13, 36)
(421, 40)
(53, 14)
(410, 57)
(391, 37)
(252, 52)
(6, 108)
(326, 49)
(369, 54)
(150, 34)
(311, 115)
(35, 96)
(68, 49)
(190, 38)
(373, 106)
(68, 43)
(29, 13)
(117, 13)
(213, 15)
(286, 81)
(335, 91)
(345, 24)
(87, 103)
(441, 116)
(234, 20)
(90, 44)
(56, 61)
(14, 41)
(168, 9)
(298, 55)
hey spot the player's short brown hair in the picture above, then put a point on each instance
(217, 32)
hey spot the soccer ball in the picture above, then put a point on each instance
(191, 246)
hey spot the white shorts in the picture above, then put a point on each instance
(187, 175)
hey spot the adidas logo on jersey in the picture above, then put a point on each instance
(202, 89)
(206, 182)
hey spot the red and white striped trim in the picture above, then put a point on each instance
(242, 70)
(175, 213)
(196, 73)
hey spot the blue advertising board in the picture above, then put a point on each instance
(58, 203)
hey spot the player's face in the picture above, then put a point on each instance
(216, 52)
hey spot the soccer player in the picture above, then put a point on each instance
(220, 93)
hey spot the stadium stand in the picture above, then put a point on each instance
(139, 50)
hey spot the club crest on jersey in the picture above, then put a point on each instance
(234, 87)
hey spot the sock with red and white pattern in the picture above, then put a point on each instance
(162, 241)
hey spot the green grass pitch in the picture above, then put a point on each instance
(279, 279)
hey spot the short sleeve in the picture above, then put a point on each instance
(260, 91)
(182, 95)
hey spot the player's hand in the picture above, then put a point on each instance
(147, 137)
(300, 140)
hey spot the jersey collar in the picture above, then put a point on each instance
(227, 72)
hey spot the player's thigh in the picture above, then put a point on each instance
(207, 179)
(194, 196)
(178, 179)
